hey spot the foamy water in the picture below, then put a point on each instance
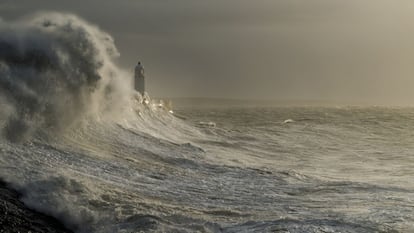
(331, 170)
(81, 146)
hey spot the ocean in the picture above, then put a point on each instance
(79, 144)
(324, 170)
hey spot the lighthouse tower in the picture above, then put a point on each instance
(139, 78)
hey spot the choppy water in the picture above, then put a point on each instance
(327, 170)
(79, 144)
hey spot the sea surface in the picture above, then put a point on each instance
(81, 145)
(224, 169)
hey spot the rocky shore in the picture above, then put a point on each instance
(15, 217)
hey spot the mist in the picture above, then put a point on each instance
(54, 69)
(345, 52)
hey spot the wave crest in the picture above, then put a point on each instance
(55, 68)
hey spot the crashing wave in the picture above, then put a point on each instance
(54, 69)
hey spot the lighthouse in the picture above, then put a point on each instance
(139, 78)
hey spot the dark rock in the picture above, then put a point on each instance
(16, 217)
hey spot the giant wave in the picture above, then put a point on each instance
(54, 69)
(79, 144)
(71, 122)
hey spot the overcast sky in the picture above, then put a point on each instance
(353, 51)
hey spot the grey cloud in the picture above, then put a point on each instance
(347, 51)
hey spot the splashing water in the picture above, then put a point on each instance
(54, 69)
(79, 145)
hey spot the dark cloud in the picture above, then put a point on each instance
(346, 51)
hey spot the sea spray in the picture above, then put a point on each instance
(54, 69)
